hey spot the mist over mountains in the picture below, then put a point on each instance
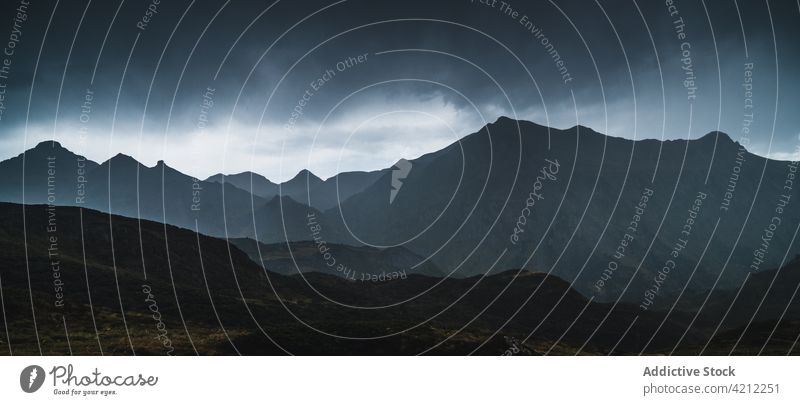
(643, 220)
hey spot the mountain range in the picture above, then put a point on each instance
(512, 195)
(304, 187)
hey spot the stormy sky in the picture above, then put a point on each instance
(278, 86)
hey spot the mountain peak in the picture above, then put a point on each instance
(502, 120)
(582, 129)
(240, 178)
(255, 176)
(161, 165)
(509, 124)
(51, 144)
(49, 147)
(719, 136)
(45, 149)
(304, 175)
(121, 159)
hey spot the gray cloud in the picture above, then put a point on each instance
(461, 62)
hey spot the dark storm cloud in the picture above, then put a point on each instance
(445, 57)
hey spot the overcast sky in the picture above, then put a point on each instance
(430, 72)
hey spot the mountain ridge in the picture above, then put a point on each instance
(457, 205)
(217, 177)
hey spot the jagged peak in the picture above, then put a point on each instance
(504, 122)
(304, 175)
(402, 162)
(120, 159)
(162, 166)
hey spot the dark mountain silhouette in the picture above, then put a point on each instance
(103, 278)
(300, 183)
(122, 185)
(101, 264)
(305, 187)
(253, 183)
(281, 219)
(765, 296)
(339, 188)
(49, 170)
(160, 193)
(463, 203)
(483, 204)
